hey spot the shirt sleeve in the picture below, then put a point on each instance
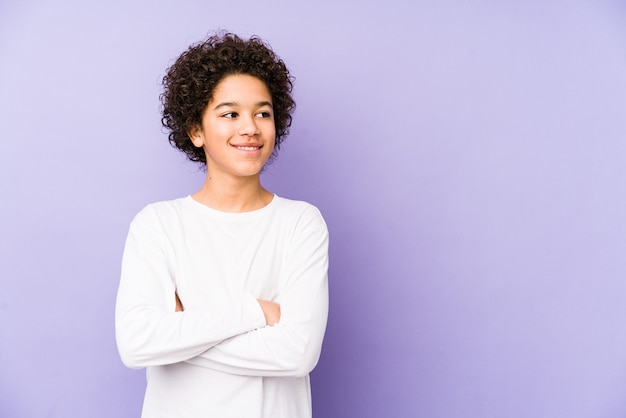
(293, 346)
(148, 330)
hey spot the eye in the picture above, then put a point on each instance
(264, 114)
(230, 115)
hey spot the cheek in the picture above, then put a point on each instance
(272, 139)
(271, 131)
(219, 132)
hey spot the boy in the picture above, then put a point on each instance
(223, 294)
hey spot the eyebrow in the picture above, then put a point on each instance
(235, 104)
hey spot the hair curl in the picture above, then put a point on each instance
(190, 82)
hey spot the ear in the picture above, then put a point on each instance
(196, 136)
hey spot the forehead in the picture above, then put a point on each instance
(241, 88)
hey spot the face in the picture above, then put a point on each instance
(237, 131)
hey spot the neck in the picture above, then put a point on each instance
(241, 194)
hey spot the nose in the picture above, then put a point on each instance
(248, 126)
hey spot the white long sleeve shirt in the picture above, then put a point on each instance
(218, 358)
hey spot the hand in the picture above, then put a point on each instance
(179, 305)
(271, 311)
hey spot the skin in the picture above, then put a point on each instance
(238, 136)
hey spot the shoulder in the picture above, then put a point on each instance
(299, 211)
(295, 206)
(162, 211)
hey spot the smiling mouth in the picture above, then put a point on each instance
(248, 147)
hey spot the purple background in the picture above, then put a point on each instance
(469, 157)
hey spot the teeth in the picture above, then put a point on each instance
(248, 148)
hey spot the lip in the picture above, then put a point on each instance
(248, 148)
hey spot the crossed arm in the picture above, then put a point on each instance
(271, 310)
(233, 335)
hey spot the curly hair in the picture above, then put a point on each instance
(190, 82)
